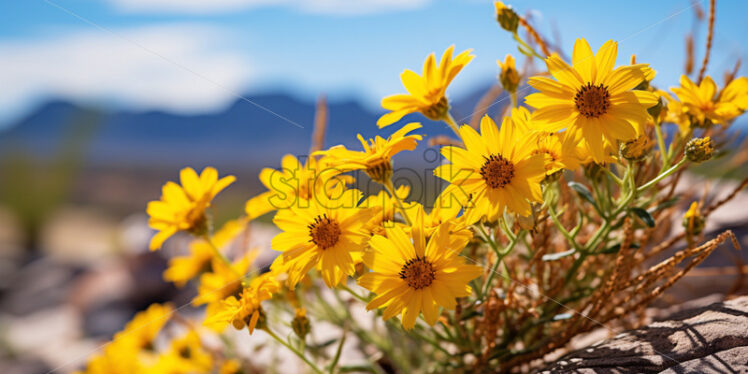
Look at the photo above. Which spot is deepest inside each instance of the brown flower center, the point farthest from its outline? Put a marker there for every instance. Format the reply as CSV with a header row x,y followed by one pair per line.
x,y
418,273
592,101
497,171
325,232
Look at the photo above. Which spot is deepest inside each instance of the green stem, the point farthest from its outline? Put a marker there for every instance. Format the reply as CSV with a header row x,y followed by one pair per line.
x,y
335,360
353,293
294,350
661,144
391,189
662,176
561,228
433,343
449,120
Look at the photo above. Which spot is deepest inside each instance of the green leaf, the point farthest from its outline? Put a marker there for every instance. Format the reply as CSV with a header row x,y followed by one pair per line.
x,y
556,256
617,247
585,194
644,215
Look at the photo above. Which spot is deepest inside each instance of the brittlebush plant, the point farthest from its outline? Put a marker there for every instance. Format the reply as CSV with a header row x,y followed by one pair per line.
x,y
550,224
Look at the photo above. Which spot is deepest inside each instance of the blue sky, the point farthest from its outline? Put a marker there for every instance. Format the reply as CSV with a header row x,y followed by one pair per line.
x,y
195,55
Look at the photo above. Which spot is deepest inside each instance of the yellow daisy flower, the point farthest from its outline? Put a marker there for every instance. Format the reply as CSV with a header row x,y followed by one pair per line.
x,y
183,268
425,92
495,170
673,111
592,97
182,208
130,350
441,213
294,183
327,233
146,325
386,205
223,281
411,275
247,309
559,149
117,357
706,107
376,158
185,355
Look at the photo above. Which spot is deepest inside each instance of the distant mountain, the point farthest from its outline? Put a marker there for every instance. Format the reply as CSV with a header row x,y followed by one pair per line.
x,y
242,134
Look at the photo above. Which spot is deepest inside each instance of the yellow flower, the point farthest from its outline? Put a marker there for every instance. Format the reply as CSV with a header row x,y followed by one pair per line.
x,y
559,149
386,205
182,208
130,349
412,276
118,357
706,107
183,268
294,184
592,97
495,170
610,154
674,112
230,367
376,158
185,355
425,92
509,77
145,326
327,233
442,212
247,309
223,280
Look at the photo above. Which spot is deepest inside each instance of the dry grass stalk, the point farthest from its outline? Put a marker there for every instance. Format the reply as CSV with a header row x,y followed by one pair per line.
x,y
320,125
709,37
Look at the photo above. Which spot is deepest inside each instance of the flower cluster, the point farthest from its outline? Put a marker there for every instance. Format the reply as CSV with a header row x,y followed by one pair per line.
x,y
567,182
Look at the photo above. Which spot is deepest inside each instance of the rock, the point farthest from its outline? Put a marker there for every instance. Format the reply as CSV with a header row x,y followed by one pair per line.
x,y
711,339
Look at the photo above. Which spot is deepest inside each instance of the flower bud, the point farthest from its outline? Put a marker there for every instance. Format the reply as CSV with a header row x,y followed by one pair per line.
x,y
637,149
509,77
300,324
693,221
699,149
507,17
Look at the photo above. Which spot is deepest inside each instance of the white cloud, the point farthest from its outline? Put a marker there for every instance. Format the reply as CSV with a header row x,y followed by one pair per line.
x,y
172,67
347,7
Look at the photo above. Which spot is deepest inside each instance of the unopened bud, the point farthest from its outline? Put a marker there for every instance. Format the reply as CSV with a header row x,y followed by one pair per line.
x,y
637,149
300,324
509,77
699,149
507,17
693,221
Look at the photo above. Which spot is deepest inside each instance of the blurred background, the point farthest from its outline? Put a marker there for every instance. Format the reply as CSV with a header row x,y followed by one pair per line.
x,y
101,102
